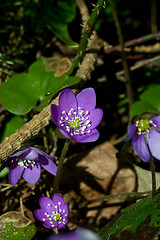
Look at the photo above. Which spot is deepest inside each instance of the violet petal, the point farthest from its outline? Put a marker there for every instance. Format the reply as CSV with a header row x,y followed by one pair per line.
x,y
40,214
57,198
61,225
153,142
32,175
40,152
156,120
48,164
140,146
31,155
15,172
67,135
67,100
56,114
66,210
48,224
92,137
5,164
95,117
87,99
47,204
18,153
131,131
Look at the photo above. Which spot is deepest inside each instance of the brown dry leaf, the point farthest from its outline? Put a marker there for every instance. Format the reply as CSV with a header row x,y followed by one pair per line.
x,y
59,65
93,174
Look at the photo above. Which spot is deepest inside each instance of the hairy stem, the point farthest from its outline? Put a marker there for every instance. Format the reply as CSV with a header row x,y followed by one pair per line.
x,y
152,166
88,29
124,60
61,160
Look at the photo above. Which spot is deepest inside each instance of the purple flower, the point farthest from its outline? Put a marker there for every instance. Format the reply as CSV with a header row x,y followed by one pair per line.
x,y
54,213
28,163
145,136
78,234
76,116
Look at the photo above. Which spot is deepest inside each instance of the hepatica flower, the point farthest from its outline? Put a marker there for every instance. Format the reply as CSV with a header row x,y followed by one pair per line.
x,y
78,234
76,116
144,134
28,163
53,213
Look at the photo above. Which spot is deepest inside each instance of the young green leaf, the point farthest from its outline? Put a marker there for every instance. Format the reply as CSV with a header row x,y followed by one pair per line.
x,y
22,91
140,107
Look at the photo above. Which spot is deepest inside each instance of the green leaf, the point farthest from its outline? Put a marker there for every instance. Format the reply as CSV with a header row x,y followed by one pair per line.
x,y
56,15
139,221
11,126
22,91
140,107
4,172
152,95
13,225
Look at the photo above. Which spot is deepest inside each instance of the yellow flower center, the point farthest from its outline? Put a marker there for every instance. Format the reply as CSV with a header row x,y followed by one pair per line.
x,y
75,123
56,216
144,125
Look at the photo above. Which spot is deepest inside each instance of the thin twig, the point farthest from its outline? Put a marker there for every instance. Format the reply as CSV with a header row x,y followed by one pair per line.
x,y
109,49
124,60
138,65
154,16
108,197
83,10
45,141
21,206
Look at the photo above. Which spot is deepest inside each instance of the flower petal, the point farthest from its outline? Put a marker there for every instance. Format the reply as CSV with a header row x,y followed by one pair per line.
x,y
153,142
40,152
18,153
156,120
40,214
87,99
48,224
62,224
15,172
48,164
32,175
5,164
67,100
67,135
65,210
91,137
30,154
47,204
58,198
56,114
95,117
131,131
140,146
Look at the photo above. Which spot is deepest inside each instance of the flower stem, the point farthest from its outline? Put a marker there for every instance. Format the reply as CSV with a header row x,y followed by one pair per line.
x,y
152,166
61,160
88,29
